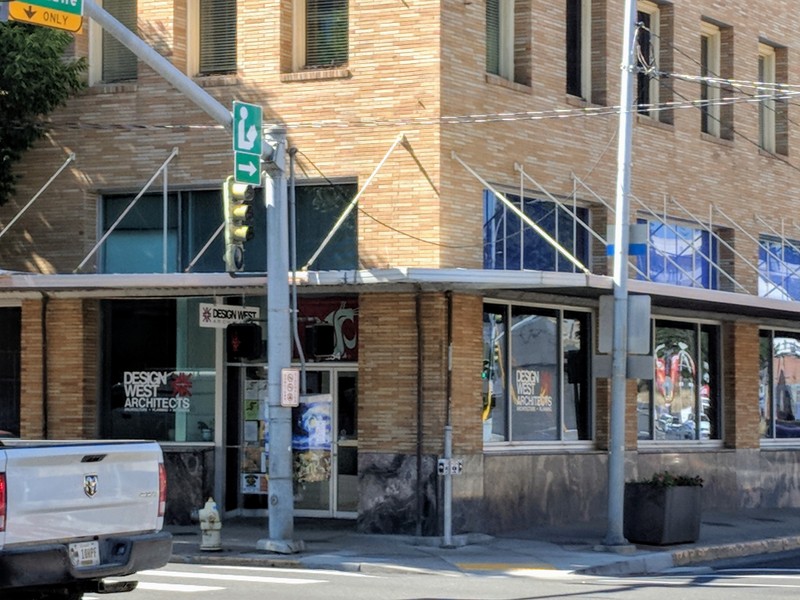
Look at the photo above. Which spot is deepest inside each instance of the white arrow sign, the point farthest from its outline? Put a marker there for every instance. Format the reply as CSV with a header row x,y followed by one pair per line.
x,y
247,167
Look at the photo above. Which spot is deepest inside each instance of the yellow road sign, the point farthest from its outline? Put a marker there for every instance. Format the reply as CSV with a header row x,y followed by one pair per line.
x,y
30,13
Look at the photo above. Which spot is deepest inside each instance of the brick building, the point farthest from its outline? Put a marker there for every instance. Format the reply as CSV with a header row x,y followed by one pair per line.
x,y
465,130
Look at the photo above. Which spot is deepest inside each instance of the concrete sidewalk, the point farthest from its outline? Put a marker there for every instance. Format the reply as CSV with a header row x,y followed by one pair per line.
x,y
576,548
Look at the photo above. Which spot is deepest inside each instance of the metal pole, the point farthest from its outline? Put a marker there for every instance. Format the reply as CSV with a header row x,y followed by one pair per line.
x,y
616,441
279,356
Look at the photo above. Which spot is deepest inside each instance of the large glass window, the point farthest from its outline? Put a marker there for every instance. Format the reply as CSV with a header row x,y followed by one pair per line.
x,y
139,241
679,255
779,268
682,401
510,244
165,390
779,389
536,377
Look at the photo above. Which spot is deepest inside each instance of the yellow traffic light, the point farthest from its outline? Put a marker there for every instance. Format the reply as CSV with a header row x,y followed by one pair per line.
x,y
237,199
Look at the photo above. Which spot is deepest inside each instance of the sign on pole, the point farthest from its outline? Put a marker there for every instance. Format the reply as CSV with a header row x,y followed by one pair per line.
x,y
3,12
247,142
33,13
74,7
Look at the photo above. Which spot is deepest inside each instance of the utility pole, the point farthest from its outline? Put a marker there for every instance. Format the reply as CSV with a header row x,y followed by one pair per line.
x,y
619,352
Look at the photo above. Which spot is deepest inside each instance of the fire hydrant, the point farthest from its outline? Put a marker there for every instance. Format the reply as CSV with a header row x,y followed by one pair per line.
x,y
210,527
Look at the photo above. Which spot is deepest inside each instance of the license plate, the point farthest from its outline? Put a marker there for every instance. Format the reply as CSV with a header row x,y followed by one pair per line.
x,y
84,554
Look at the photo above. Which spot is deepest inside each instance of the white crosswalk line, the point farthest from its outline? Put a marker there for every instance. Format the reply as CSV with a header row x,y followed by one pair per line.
x,y
229,577
176,587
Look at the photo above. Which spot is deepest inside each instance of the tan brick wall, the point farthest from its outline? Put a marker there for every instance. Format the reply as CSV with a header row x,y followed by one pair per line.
x,y
388,386
71,342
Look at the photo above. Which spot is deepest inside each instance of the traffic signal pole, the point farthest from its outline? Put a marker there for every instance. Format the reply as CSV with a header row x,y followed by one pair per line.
x,y
281,493
279,357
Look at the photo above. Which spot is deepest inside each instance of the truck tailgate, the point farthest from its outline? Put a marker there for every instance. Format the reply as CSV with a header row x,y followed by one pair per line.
x,y
59,491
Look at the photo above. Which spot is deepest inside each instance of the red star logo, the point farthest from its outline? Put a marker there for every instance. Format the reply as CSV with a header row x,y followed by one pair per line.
x,y
182,384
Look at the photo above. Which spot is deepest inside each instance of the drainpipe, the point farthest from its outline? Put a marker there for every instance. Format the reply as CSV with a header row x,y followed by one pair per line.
x,y
420,366
45,416
293,259
447,540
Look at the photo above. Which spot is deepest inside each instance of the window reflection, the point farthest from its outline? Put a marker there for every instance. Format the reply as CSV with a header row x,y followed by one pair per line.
x,y
535,372
681,402
779,389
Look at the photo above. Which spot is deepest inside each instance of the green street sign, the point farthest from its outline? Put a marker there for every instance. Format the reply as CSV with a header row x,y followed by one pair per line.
x,y
247,142
73,7
247,168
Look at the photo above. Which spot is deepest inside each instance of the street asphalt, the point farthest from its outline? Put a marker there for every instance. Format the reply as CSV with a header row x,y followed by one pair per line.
x,y
576,548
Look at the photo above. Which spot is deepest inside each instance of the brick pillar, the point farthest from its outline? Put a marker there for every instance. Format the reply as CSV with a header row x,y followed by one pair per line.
x,y
70,386
740,375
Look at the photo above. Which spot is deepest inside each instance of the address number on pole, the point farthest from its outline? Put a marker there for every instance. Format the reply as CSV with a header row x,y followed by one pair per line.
x,y
290,387
451,466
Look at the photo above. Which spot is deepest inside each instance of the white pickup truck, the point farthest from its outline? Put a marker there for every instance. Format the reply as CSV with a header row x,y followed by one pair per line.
x,y
74,513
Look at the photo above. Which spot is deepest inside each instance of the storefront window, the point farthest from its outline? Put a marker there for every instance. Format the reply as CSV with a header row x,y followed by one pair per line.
x,y
536,379
159,366
685,384
779,389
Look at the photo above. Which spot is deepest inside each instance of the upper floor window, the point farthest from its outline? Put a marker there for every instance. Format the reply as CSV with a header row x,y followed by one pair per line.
x,y
649,41
217,37
779,388
110,60
682,401
766,107
508,27
510,244
716,62
710,61
679,255
773,118
654,36
320,38
579,48
779,268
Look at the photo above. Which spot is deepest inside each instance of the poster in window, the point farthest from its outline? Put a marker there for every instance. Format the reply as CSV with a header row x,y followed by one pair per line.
x,y
311,437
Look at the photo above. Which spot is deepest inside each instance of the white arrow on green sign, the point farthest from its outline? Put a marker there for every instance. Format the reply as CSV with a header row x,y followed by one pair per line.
x,y
247,168
247,142
74,7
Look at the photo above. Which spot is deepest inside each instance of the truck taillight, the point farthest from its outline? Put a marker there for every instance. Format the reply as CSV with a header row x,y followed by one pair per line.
x,y
162,489
3,501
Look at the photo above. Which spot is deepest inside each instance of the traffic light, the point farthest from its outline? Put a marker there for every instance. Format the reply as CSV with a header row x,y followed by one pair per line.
x,y
238,203
243,341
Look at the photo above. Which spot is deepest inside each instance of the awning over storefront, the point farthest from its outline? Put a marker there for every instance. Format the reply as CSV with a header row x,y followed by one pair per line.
x,y
480,281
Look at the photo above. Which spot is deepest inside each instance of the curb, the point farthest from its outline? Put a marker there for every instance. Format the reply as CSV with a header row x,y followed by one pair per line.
x,y
662,561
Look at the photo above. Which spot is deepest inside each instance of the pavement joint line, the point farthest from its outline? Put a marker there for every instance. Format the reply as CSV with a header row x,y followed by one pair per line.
x,y
504,566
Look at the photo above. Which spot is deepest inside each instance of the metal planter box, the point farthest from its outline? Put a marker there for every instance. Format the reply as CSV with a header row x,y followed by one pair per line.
x,y
662,515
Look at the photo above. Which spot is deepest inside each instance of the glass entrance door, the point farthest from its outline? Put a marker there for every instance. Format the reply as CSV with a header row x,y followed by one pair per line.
x,y
327,477
324,443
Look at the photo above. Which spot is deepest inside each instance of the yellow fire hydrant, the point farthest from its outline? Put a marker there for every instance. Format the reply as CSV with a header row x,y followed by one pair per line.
x,y
210,527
